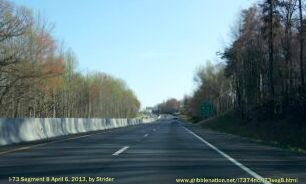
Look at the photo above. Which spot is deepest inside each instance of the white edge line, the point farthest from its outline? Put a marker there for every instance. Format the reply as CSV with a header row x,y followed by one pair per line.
x,y
246,169
120,151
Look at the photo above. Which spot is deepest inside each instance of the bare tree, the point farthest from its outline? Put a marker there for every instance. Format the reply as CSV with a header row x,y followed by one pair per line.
x,y
301,47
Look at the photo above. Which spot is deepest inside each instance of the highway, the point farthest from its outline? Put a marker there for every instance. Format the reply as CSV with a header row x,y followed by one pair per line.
x,y
161,152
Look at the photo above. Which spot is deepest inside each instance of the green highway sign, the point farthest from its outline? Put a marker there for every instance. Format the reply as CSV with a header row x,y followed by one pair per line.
x,y
207,109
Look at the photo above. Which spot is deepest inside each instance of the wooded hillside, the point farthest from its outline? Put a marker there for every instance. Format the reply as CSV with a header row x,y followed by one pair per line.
x,y
263,69
38,77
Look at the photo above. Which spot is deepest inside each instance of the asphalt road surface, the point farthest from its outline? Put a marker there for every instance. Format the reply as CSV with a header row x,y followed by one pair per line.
x,y
162,152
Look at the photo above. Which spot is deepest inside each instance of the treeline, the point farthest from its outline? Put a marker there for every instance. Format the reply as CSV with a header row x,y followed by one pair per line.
x,y
169,106
213,95
38,76
264,65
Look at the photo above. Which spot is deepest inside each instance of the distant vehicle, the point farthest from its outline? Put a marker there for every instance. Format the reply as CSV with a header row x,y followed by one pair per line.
x,y
167,116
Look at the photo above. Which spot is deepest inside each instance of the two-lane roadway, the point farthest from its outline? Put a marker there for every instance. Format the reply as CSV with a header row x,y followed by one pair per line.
x,y
162,152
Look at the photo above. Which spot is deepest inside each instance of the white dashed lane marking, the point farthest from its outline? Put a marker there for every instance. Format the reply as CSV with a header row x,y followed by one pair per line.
x,y
121,150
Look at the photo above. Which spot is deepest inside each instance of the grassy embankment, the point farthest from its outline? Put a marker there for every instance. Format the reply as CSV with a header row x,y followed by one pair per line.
x,y
287,132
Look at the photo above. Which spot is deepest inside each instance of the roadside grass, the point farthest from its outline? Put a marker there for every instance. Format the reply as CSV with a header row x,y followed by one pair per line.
x,y
288,132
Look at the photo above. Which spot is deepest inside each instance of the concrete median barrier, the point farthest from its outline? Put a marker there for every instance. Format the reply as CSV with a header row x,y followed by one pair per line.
x,y
31,129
